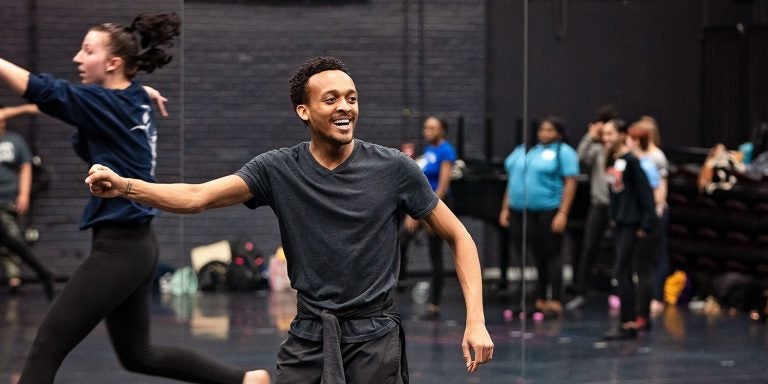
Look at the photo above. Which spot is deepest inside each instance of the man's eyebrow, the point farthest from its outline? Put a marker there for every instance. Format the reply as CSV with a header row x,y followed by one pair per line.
x,y
337,91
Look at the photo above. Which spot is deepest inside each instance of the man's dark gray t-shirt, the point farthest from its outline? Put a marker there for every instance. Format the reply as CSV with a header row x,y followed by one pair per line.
x,y
339,227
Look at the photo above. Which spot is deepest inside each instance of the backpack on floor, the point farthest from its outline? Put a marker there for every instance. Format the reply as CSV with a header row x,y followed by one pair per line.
x,y
248,267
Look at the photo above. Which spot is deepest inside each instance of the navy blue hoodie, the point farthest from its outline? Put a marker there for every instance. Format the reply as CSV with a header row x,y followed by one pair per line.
x,y
114,128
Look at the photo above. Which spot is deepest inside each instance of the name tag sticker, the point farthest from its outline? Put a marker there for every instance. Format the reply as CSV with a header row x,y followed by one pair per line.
x,y
548,155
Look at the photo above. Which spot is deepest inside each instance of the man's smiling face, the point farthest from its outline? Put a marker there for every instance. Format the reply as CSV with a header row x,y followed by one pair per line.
x,y
331,109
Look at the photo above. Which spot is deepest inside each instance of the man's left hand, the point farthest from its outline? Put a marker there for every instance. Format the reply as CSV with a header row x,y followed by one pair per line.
x,y
477,341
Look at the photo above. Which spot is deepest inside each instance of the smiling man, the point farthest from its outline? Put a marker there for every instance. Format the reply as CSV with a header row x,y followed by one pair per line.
x,y
337,201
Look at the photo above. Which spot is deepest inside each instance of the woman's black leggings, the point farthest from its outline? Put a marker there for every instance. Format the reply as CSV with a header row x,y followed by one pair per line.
x,y
114,284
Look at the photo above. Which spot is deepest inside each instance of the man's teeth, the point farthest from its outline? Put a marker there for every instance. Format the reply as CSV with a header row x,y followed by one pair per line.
x,y
341,122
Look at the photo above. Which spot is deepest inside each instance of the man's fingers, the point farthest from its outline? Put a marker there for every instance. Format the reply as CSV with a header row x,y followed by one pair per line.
x,y
480,356
484,354
466,352
100,186
100,189
96,168
489,353
94,183
95,173
472,364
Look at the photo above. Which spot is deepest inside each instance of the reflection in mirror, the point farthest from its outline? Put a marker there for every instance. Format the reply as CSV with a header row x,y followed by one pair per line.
x,y
583,61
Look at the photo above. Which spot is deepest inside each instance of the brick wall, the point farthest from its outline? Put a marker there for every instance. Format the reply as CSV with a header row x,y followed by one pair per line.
x,y
228,91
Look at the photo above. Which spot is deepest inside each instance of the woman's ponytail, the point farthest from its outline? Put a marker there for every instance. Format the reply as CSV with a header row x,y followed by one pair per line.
x,y
152,34
142,45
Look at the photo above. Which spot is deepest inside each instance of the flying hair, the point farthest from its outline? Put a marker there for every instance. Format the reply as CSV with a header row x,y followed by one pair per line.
x,y
143,44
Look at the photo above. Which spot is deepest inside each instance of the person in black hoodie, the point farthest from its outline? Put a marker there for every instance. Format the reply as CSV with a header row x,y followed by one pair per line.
x,y
631,210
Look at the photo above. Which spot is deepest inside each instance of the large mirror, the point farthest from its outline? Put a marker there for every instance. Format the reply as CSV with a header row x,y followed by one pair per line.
x,y
635,87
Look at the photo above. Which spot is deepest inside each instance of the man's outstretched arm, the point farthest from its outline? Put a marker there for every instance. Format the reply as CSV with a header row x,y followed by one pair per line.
x,y
476,337
177,198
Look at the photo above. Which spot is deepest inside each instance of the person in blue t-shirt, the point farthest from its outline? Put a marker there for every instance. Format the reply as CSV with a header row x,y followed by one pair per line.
x,y
541,188
436,163
115,125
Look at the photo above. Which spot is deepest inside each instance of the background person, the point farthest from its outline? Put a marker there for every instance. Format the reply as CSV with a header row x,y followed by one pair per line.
x,y
652,261
15,189
542,182
633,214
436,163
592,157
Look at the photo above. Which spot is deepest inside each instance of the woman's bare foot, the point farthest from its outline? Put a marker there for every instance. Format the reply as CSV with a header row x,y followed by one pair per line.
x,y
259,376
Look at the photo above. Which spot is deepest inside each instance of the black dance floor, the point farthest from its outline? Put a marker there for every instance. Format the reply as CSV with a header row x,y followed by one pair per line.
x,y
246,328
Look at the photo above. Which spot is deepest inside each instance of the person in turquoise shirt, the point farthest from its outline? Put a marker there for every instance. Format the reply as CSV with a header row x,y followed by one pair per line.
x,y
542,183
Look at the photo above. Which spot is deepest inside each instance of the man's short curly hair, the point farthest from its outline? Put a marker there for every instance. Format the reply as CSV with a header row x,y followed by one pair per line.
x,y
307,70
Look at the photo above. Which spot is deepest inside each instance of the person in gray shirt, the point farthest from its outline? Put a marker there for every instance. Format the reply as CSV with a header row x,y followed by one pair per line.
x,y
337,200
15,188
592,157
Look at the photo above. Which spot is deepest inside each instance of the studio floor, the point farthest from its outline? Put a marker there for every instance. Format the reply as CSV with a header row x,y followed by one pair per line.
x,y
246,328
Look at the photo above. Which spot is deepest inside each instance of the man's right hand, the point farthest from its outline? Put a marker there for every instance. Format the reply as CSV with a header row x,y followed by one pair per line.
x,y
103,182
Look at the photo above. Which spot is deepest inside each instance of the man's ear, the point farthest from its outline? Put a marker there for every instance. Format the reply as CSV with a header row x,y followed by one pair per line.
x,y
114,63
303,112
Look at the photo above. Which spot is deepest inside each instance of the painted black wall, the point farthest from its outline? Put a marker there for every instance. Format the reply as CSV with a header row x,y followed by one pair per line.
x,y
228,91
642,56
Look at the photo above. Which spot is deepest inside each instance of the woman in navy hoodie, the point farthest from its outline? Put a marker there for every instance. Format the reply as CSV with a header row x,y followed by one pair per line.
x,y
115,126
632,211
